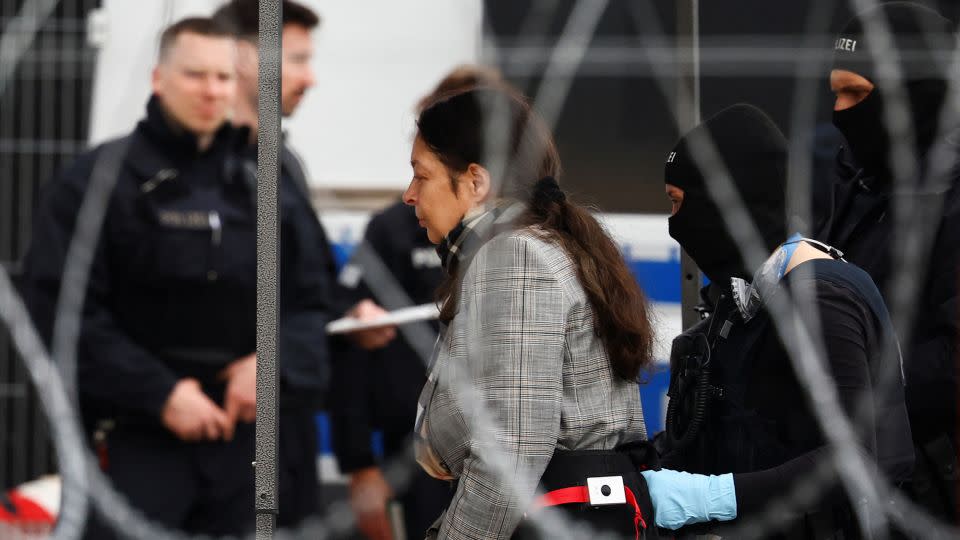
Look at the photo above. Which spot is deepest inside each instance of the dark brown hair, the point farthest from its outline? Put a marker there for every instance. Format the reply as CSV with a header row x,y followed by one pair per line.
x,y
461,78
203,26
459,128
242,17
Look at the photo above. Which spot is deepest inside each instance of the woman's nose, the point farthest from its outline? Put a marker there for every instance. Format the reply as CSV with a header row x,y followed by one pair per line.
x,y
409,195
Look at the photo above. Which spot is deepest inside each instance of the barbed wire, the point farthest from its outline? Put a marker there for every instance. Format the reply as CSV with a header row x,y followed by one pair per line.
x,y
794,318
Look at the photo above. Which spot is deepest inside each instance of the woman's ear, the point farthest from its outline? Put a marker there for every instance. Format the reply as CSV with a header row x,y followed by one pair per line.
x,y
479,183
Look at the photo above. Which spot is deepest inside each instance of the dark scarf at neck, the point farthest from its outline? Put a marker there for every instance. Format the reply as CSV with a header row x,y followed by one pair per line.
x,y
462,243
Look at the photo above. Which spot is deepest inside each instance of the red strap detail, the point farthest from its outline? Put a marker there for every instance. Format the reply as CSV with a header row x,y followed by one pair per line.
x,y
26,511
570,495
637,514
580,494
103,456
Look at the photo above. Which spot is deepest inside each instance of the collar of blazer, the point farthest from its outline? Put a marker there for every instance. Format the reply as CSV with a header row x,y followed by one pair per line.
x,y
465,239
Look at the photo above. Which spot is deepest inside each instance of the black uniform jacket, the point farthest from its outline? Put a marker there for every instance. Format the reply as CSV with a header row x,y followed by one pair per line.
x,y
172,286
860,222
758,423
379,389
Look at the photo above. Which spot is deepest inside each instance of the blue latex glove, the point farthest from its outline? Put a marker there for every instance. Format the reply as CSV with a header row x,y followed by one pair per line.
x,y
681,498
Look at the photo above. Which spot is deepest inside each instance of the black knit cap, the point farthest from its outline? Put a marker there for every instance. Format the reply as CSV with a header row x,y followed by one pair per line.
x,y
923,39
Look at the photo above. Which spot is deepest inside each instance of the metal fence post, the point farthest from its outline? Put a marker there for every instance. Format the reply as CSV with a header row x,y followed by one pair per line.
x,y
268,267
688,116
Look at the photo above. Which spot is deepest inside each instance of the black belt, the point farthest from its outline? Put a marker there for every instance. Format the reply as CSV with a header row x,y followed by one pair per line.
x,y
603,488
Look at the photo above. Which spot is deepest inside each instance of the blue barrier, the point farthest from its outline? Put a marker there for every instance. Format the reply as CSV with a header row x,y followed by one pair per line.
x,y
324,435
660,280
653,392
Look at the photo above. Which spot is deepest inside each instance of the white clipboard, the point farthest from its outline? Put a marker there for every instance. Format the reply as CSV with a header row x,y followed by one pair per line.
x,y
423,312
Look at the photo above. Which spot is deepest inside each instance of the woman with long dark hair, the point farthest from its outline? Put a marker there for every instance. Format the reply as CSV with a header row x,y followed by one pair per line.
x,y
545,329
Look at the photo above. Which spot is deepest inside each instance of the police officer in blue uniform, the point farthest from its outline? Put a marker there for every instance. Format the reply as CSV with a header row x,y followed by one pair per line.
x,y
166,363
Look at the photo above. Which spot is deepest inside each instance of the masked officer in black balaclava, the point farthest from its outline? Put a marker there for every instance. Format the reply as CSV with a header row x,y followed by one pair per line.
x,y
861,218
736,403
698,224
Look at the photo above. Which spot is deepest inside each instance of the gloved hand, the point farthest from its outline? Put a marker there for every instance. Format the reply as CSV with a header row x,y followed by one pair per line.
x,y
681,498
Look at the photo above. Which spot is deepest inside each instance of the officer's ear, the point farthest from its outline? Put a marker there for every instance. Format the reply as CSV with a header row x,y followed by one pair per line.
x,y
156,79
248,59
479,187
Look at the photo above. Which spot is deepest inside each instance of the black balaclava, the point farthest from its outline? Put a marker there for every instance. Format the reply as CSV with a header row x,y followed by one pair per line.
x,y
755,154
924,42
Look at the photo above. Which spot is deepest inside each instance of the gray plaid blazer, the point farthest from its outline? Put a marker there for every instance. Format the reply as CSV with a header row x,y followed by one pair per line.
x,y
517,373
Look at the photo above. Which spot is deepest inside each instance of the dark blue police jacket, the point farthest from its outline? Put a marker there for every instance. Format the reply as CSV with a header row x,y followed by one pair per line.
x,y
172,288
